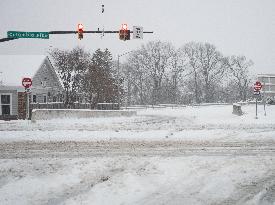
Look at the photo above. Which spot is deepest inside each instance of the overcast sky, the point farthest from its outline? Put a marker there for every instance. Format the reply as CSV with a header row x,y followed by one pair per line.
x,y
235,27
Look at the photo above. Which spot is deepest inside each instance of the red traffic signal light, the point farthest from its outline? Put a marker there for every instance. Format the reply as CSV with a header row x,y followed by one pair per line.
x,y
80,29
124,26
124,33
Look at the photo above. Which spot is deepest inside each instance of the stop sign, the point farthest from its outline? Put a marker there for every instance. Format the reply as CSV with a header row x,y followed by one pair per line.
x,y
258,86
27,82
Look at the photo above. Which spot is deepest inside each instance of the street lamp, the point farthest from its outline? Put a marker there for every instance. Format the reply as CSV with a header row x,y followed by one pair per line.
x,y
118,83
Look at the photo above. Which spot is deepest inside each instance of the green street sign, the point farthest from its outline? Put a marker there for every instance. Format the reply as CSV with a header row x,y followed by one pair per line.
x,y
20,34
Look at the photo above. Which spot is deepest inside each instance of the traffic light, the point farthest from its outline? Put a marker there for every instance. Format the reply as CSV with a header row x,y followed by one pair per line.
x,y
127,35
80,29
124,33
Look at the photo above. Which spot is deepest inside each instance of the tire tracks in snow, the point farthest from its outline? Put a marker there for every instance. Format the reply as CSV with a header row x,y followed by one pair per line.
x,y
65,149
261,191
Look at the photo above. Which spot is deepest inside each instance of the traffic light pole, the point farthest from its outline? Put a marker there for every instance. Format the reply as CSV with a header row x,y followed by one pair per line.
x,y
71,32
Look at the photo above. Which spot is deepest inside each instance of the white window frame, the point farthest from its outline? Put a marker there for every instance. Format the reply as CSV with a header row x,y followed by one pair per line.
x,y
44,83
10,94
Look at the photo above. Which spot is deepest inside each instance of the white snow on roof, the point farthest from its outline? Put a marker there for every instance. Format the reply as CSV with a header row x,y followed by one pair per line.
x,y
15,67
266,75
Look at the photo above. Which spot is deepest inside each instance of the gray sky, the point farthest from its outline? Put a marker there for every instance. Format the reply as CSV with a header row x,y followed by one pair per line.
x,y
235,27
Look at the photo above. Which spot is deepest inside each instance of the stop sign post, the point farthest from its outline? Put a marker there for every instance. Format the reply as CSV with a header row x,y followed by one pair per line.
x,y
257,87
27,83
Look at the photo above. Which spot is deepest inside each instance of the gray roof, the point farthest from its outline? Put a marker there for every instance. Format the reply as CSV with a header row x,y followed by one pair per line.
x,y
17,88
13,68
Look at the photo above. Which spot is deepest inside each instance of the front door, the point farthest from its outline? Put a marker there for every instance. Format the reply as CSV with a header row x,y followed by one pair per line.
x,y
5,104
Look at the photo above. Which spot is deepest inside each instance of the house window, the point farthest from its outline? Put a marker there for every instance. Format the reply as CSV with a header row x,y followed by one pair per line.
x,y
34,98
5,104
45,98
43,83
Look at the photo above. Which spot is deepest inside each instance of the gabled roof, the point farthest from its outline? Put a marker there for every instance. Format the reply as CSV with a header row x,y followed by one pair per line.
x,y
15,88
16,67
52,69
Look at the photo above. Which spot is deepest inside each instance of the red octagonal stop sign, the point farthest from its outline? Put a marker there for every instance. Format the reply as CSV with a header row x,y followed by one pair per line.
x,y
27,82
258,86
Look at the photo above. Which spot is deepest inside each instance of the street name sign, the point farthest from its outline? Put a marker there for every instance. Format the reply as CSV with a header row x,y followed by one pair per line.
x,y
21,34
257,92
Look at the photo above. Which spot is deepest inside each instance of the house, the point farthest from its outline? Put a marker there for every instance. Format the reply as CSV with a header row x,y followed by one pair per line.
x,y
268,83
46,86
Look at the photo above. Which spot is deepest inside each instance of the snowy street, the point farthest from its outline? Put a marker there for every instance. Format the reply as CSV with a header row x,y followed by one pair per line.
x,y
137,102
134,148
188,155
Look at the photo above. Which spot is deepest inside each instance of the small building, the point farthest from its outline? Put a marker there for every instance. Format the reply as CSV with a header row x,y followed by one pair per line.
x,y
268,82
46,87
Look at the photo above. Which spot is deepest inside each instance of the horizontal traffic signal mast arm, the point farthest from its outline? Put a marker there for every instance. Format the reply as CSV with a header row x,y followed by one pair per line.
x,y
75,32
71,32
6,39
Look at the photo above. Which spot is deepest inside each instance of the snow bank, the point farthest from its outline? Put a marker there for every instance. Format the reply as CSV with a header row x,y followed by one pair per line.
x,y
47,114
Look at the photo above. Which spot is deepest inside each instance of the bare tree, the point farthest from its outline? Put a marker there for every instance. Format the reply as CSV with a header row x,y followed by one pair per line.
x,y
155,71
178,64
154,58
71,67
239,69
137,78
212,65
191,50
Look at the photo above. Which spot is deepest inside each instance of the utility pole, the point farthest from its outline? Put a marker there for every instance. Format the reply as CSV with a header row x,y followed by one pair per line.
x,y
1,78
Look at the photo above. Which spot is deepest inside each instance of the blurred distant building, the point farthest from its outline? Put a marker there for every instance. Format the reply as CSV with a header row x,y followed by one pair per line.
x,y
268,82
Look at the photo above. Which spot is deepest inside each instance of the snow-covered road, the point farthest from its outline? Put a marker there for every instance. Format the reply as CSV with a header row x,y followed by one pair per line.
x,y
71,149
139,180
192,155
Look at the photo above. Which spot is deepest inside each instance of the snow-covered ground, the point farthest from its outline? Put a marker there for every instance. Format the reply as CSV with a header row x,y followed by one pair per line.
x,y
194,123
187,155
